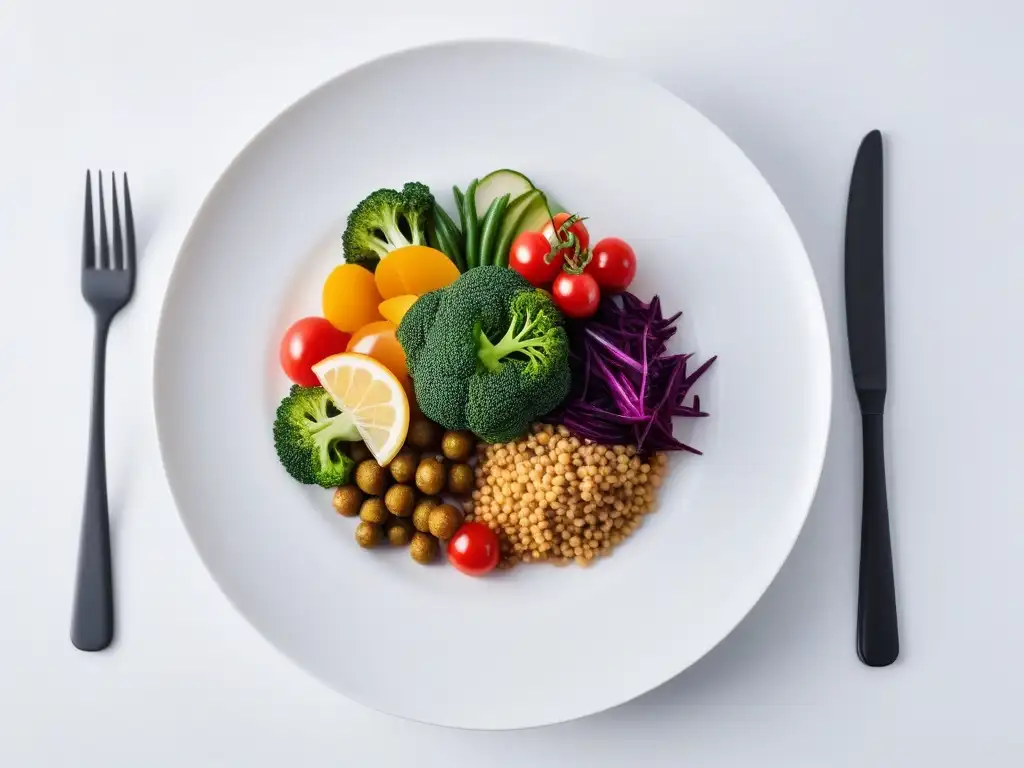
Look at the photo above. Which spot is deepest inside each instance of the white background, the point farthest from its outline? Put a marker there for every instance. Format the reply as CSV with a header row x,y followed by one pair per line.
x,y
170,91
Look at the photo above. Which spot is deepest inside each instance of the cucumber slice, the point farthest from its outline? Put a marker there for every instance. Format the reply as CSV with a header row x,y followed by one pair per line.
x,y
510,224
527,213
517,208
535,216
498,184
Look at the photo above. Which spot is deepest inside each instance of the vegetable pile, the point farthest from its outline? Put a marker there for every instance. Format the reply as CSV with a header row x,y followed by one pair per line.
x,y
502,324
626,388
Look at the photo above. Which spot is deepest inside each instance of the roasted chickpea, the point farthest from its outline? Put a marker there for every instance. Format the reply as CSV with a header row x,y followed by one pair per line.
x,y
400,500
371,478
457,446
369,534
399,532
423,433
403,466
373,510
461,479
421,514
444,521
430,476
423,547
347,500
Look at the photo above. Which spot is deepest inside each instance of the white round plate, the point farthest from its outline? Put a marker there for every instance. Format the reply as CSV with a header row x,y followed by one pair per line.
x,y
540,644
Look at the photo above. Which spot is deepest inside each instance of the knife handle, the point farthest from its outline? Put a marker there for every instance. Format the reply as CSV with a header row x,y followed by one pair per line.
x,y
878,642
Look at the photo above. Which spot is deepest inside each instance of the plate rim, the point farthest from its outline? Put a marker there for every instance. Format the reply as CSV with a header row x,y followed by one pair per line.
x,y
623,66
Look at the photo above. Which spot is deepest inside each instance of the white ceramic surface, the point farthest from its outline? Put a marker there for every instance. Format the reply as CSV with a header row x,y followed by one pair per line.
x,y
712,239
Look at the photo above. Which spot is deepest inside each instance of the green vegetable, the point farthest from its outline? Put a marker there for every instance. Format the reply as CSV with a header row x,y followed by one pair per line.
x,y
517,211
498,183
308,432
536,217
438,238
460,201
489,229
471,227
486,353
449,238
385,220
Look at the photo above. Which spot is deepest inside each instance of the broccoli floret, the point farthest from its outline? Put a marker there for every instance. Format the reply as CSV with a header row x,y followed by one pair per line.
x,y
308,432
531,324
416,322
385,220
486,353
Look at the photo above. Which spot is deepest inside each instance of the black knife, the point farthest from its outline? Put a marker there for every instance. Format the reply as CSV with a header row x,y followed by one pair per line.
x,y
878,642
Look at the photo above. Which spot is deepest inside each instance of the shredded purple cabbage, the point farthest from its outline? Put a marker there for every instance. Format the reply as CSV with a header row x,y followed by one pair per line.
x,y
626,389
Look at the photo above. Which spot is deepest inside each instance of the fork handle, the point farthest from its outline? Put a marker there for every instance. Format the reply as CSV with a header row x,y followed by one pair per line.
x,y
92,626
878,642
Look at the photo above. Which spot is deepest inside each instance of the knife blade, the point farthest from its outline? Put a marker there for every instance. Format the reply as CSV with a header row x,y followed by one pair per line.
x,y
877,623
865,289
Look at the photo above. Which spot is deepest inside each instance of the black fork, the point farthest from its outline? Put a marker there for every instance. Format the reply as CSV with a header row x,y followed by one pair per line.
x,y
108,281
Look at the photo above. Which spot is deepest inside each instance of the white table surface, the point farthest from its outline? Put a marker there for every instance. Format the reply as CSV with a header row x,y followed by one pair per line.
x,y
170,91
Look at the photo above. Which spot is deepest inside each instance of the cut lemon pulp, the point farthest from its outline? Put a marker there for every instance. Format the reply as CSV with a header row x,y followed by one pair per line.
x,y
373,396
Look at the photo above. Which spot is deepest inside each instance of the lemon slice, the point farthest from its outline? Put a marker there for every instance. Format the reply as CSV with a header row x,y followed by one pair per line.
x,y
374,398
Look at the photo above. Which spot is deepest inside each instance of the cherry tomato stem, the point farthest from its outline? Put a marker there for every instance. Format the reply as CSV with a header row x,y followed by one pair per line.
x,y
570,230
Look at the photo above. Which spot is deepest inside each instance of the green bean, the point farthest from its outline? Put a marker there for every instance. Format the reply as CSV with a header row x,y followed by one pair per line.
x,y
472,227
452,247
459,203
491,224
446,228
443,244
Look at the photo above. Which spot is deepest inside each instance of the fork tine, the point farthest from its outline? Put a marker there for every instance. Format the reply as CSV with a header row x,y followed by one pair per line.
x,y
88,237
104,261
129,229
118,262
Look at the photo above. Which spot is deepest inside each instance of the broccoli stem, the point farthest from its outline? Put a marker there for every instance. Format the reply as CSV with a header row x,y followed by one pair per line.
x,y
339,428
331,426
514,341
393,232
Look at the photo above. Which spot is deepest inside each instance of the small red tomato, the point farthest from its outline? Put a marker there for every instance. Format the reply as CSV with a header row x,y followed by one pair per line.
x,y
576,295
578,228
474,549
612,264
529,257
306,343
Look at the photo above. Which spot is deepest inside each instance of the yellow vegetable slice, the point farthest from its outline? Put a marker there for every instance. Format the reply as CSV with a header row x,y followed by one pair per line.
x,y
350,298
414,270
373,396
394,309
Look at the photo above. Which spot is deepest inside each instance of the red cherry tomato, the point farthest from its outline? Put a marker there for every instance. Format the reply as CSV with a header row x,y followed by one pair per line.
x,y
578,228
612,264
576,295
474,549
306,343
528,257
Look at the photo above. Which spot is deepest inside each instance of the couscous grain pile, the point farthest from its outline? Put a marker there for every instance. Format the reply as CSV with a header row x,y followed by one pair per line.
x,y
553,497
